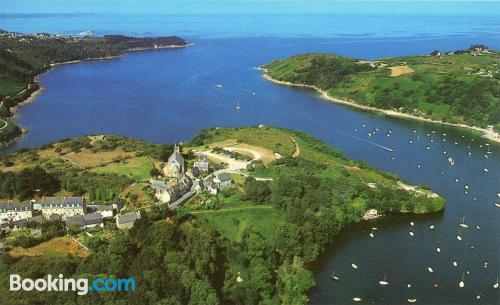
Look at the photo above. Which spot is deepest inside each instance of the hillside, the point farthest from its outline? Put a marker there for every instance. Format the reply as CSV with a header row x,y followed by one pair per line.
x,y
248,244
24,56
461,87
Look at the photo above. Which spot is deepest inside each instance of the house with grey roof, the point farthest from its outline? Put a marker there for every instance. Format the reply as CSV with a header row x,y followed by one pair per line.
x,y
62,206
201,163
86,221
222,180
126,221
11,212
169,193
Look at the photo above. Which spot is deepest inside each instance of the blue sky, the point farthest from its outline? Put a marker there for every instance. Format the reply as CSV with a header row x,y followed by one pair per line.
x,y
250,6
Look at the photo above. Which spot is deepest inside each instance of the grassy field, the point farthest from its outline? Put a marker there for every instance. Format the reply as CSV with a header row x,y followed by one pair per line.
x,y
59,246
456,88
233,221
137,168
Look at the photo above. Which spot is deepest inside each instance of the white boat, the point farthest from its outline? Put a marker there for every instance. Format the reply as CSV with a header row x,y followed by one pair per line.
x,y
411,142
461,284
455,264
451,161
497,204
412,223
498,194
456,179
393,158
485,170
369,134
219,85
355,130
372,235
458,236
456,143
237,105
485,264
354,266
462,223
384,282
363,125
466,187
428,147
411,233
412,300
409,285
478,296
431,227
356,299
469,153
430,269
334,277
477,227
438,250
253,93
496,284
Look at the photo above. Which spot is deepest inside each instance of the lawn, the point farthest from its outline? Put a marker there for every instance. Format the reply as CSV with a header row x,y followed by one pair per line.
x,y
137,168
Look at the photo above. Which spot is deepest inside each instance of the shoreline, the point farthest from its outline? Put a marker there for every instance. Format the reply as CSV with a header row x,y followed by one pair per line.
x,y
35,94
485,133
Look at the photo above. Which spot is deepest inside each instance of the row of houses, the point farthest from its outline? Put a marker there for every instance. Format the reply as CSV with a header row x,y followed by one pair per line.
x,y
72,210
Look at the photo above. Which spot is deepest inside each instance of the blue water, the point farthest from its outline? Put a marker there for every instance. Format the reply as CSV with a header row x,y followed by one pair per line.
x,y
169,95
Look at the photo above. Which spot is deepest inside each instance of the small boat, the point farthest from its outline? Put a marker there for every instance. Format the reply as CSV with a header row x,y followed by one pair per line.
x,y
412,223
371,234
219,85
435,285
431,140
456,143
411,233
388,135
412,300
485,170
334,277
393,158
354,266
363,125
414,131
458,235
431,227
411,142
369,134
498,194
451,161
409,285
237,107
456,179
478,296
355,130
474,198
428,147
419,166
486,157
497,204
455,264
466,187
496,284
461,284
444,152
485,265
462,223
253,93
374,228
384,282
438,250
478,227
430,269
469,153
356,299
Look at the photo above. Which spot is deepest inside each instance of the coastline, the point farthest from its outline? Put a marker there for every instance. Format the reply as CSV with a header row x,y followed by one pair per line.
x,y
486,133
34,95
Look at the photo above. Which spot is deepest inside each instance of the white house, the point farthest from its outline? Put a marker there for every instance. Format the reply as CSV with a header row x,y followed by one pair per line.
x,y
62,206
222,180
10,212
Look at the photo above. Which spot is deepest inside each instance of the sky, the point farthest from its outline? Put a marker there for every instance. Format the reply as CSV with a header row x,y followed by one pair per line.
x,y
250,7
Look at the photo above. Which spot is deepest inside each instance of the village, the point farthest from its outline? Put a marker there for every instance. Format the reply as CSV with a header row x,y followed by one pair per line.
x,y
175,185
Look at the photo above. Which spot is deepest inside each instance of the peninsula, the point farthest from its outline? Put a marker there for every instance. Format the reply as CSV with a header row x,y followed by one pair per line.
x,y
23,57
235,216
458,88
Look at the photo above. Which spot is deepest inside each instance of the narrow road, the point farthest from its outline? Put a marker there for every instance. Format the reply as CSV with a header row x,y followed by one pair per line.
x,y
5,124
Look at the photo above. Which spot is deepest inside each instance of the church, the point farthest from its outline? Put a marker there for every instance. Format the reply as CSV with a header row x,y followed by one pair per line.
x,y
175,164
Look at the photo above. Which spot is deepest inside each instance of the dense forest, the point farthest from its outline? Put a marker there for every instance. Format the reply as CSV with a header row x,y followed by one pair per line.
x,y
250,244
457,87
24,56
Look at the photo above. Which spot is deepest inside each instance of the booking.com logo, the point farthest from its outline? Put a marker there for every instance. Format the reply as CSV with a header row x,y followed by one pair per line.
x,y
81,286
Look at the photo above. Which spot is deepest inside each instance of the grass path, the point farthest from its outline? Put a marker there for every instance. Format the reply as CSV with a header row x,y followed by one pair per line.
x,y
258,207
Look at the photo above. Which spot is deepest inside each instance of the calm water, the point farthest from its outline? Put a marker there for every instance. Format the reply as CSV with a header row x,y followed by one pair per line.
x,y
167,96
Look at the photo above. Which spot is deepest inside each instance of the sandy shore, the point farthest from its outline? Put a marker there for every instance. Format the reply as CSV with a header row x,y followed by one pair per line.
x,y
486,133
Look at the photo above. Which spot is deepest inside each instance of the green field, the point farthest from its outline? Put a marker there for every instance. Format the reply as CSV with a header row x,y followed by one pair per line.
x,y
137,168
456,88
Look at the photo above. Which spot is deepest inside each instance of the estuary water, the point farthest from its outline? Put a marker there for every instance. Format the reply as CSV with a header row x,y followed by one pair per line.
x,y
169,95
